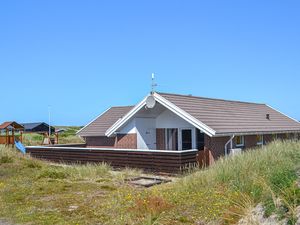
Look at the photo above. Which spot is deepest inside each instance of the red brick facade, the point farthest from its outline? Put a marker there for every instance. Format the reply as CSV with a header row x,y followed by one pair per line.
x,y
100,141
215,146
127,141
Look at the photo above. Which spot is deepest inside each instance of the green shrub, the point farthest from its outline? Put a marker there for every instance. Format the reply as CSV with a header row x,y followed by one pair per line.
x,y
32,163
6,159
53,173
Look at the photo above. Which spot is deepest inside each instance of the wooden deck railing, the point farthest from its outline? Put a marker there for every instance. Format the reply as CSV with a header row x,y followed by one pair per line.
x,y
151,160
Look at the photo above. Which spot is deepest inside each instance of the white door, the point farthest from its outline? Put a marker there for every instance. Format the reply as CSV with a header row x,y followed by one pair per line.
x,y
146,133
150,138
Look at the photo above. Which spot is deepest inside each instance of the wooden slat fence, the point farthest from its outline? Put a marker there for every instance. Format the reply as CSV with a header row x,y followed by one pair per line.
x,y
150,160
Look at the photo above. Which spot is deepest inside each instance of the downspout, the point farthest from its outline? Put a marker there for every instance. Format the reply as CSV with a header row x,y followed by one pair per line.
x,y
229,141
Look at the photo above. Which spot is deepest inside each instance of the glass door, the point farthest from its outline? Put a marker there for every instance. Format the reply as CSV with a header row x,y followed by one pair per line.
x,y
171,139
186,139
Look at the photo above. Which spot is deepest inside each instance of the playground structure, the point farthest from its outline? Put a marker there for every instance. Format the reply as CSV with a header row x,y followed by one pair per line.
x,y
49,140
10,132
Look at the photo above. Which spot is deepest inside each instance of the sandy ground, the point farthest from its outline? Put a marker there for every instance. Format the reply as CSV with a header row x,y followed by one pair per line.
x,y
2,222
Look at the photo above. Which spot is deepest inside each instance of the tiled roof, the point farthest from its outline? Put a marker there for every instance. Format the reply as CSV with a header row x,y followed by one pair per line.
x,y
233,116
11,124
99,126
29,126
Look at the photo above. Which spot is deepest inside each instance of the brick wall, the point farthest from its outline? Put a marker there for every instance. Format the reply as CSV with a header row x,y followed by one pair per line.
x,y
127,141
100,141
214,148
269,138
250,141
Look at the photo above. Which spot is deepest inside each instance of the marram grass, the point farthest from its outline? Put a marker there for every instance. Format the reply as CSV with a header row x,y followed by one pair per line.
x,y
35,192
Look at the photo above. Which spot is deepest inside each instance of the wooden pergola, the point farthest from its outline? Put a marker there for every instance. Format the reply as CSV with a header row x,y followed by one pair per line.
x,y
8,132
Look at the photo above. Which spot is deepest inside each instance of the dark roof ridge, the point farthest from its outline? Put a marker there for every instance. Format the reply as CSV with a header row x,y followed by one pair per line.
x,y
219,99
33,123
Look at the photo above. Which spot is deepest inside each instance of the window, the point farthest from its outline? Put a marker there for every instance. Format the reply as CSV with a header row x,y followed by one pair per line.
x,y
239,141
171,137
186,138
199,140
260,139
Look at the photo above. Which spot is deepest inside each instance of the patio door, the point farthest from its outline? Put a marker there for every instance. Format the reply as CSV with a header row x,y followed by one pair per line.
x,y
186,139
171,138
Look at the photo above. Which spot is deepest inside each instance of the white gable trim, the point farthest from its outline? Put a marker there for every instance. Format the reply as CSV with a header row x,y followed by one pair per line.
x,y
125,118
184,115
77,133
169,105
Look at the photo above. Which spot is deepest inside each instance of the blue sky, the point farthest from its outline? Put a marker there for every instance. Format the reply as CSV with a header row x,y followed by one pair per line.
x,y
81,57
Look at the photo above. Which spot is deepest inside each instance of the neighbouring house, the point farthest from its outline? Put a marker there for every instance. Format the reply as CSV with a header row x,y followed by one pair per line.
x,y
39,127
173,122
10,132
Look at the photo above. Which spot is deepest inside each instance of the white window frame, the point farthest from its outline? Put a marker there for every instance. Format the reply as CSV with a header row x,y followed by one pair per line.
x,y
242,139
193,129
262,140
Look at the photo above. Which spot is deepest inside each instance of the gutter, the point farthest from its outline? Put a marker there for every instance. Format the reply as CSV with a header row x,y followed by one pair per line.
x,y
257,133
229,141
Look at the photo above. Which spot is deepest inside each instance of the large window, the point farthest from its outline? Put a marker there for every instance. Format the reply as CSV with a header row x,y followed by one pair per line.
x,y
199,140
171,137
239,141
260,139
186,138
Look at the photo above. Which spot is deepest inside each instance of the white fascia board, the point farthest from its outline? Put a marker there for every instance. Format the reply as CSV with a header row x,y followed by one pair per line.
x,y
77,133
128,116
184,115
181,113
283,114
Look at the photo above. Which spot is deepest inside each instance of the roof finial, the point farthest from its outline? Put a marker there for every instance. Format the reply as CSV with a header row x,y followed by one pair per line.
x,y
153,84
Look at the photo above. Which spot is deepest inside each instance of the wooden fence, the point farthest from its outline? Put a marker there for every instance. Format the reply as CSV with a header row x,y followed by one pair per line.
x,y
150,160
7,140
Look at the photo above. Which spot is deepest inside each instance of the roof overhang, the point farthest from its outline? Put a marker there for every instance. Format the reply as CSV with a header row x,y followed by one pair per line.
x,y
256,133
169,105
78,132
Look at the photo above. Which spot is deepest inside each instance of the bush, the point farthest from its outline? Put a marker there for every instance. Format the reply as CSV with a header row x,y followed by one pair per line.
x,y
6,159
32,163
53,173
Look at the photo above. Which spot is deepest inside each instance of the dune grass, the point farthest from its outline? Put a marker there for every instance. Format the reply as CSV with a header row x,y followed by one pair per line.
x,y
35,192
232,186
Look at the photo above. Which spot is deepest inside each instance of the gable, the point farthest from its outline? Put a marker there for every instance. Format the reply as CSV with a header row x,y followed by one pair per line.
x,y
167,104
